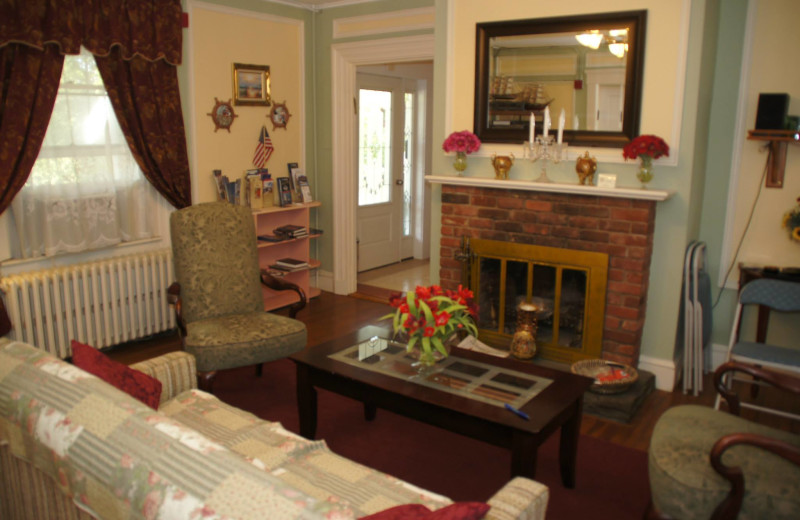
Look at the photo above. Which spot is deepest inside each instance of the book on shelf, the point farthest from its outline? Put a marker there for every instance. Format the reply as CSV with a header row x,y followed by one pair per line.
x,y
283,268
294,171
315,231
292,263
291,231
270,238
304,188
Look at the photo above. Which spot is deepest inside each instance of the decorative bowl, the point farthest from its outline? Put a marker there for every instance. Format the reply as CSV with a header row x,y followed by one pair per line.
x,y
609,377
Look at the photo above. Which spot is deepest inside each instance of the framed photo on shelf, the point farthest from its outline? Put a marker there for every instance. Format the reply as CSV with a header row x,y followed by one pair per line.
x,y
284,191
251,85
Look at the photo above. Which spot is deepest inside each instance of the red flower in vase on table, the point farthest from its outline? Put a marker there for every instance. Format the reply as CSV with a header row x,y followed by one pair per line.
x,y
428,316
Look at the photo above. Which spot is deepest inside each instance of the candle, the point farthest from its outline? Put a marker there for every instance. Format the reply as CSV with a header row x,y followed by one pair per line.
x,y
561,120
532,128
546,121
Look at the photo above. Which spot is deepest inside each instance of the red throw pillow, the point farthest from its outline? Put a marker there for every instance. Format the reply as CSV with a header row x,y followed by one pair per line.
x,y
134,383
457,511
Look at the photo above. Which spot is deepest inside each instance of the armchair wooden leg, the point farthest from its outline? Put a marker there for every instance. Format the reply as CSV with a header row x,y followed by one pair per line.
x,y
205,381
259,369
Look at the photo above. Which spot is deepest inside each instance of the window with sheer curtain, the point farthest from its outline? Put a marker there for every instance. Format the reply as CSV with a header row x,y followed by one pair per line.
x,y
85,190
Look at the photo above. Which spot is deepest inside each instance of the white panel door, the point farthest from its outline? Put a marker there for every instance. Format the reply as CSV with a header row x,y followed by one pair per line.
x,y
380,171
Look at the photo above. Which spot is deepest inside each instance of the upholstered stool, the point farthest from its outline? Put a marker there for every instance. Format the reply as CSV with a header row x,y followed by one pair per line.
x,y
684,484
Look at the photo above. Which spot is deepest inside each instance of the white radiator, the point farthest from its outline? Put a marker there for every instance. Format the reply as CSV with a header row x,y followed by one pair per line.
x,y
100,303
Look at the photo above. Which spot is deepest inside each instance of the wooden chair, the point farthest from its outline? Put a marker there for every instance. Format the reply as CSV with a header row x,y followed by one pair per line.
x,y
700,459
217,296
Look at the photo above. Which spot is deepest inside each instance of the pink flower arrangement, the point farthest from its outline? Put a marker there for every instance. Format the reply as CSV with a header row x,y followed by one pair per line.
x,y
650,146
464,141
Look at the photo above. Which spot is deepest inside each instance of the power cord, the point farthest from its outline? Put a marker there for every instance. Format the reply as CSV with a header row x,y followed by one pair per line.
x,y
746,228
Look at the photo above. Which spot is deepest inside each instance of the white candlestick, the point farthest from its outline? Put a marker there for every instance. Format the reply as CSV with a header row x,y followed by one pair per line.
x,y
532,128
561,120
546,121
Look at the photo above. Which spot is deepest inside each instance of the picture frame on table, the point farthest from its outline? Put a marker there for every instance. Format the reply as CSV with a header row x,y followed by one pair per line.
x,y
251,85
284,191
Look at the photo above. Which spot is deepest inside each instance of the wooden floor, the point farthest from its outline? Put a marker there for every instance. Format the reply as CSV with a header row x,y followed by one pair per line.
x,y
330,316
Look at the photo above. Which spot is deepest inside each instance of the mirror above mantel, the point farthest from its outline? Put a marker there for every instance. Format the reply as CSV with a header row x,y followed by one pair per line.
x,y
589,67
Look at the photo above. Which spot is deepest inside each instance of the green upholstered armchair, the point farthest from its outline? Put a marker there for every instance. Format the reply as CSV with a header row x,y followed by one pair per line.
x,y
704,463
217,295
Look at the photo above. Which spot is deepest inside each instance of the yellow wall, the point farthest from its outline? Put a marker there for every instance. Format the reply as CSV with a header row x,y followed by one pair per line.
x,y
221,37
766,242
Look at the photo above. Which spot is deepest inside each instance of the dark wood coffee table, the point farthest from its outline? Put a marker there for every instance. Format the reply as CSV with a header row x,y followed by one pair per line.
x,y
558,405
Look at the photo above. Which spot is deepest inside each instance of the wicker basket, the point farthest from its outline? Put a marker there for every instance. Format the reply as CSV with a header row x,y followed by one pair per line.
x,y
597,367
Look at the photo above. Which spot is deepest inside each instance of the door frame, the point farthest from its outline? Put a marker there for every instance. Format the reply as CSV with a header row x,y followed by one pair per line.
x,y
345,58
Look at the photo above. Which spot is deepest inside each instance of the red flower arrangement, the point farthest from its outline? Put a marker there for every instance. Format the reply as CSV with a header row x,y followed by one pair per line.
x,y
429,315
650,146
464,141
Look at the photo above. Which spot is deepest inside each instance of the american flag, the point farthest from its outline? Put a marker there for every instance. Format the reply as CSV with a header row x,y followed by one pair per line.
x,y
263,149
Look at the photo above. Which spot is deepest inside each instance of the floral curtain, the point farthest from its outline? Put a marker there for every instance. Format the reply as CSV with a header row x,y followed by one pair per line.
x,y
136,88
28,86
128,30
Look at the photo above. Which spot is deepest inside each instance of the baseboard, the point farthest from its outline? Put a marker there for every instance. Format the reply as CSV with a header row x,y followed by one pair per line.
x,y
719,353
663,369
324,280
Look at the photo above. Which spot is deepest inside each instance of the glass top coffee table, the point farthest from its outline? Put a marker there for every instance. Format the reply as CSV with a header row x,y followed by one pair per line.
x,y
505,402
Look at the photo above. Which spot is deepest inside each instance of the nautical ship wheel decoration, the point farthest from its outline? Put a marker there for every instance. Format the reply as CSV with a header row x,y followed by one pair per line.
x,y
222,114
279,115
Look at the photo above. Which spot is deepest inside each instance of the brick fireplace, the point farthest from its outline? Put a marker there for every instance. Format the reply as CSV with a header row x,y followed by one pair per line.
x,y
618,226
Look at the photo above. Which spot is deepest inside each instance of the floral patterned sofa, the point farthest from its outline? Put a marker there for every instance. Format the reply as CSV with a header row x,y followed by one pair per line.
x,y
73,446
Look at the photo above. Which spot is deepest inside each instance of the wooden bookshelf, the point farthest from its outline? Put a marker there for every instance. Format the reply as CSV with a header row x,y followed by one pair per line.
x,y
266,221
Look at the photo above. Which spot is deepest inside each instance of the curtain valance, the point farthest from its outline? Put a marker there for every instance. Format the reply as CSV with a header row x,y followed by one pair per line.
x,y
150,29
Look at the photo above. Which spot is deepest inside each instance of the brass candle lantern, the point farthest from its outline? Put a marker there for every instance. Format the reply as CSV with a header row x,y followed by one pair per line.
x,y
523,343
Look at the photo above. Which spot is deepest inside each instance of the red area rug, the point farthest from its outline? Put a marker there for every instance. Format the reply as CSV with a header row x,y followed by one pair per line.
x,y
611,484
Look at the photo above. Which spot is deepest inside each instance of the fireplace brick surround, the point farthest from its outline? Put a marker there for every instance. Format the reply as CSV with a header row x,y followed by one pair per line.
x,y
620,227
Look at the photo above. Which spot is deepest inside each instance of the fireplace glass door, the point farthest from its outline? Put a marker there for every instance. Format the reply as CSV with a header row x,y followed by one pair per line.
x,y
567,287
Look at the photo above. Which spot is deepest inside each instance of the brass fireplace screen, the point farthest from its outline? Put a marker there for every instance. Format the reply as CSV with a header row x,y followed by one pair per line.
x,y
568,287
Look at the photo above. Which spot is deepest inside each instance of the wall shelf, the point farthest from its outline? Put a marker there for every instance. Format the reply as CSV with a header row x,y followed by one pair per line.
x,y
551,187
778,140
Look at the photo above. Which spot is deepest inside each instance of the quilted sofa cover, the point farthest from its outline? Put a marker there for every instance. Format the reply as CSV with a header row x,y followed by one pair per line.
x,y
114,457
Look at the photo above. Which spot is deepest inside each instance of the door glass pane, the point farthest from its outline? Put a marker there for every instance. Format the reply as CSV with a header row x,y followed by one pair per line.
x,y
571,308
374,147
516,292
543,296
489,294
408,161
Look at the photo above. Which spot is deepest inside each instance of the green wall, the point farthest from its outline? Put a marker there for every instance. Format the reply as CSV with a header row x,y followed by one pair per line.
x,y
721,140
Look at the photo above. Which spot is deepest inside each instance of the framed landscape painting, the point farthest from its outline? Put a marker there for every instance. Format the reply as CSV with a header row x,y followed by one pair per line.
x,y
251,85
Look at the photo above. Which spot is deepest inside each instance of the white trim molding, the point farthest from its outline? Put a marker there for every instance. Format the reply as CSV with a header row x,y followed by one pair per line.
x,y
551,187
345,58
423,18
663,369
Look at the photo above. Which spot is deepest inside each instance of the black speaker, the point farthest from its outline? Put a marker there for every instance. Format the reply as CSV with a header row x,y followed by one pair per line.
x,y
772,111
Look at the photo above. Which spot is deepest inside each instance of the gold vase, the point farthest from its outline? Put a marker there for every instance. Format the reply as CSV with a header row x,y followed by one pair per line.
x,y
523,344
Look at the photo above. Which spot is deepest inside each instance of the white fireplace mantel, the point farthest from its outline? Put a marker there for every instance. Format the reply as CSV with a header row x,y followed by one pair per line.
x,y
551,187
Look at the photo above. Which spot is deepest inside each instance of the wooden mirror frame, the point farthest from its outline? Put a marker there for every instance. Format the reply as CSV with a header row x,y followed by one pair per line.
x,y
634,21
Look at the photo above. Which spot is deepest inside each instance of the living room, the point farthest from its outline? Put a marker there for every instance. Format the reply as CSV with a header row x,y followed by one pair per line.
x,y
705,64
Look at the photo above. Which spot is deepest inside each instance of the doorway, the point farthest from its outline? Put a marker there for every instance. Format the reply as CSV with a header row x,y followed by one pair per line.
x,y
393,209
345,58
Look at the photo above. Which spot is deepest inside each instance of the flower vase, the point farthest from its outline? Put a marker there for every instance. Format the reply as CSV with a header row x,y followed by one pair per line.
x,y
460,164
426,361
645,173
